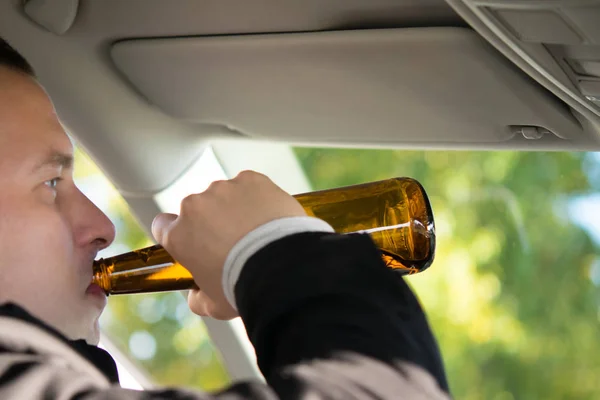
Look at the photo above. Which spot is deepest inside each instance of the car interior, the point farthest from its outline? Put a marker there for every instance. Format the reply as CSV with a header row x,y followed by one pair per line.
x,y
163,97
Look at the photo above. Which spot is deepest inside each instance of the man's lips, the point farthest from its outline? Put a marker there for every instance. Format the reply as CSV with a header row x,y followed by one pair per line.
x,y
95,290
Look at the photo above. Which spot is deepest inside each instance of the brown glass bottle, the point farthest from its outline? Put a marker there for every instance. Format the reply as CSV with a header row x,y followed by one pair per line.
x,y
395,212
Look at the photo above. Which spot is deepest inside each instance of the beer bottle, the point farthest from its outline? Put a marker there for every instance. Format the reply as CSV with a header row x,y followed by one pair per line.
x,y
395,212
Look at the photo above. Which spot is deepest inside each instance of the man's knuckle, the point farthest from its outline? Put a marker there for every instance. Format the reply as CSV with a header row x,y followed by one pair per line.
x,y
193,203
216,186
247,175
188,202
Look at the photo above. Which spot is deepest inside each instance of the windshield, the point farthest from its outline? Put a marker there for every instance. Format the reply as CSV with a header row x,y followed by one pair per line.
x,y
513,295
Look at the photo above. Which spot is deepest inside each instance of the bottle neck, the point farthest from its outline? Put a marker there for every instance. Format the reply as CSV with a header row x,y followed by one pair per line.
x,y
101,276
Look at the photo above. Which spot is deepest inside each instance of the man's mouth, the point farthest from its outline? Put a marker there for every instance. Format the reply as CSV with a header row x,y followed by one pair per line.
x,y
95,290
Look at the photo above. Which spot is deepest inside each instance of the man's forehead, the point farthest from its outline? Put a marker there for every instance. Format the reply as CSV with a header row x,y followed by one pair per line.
x,y
29,126
20,95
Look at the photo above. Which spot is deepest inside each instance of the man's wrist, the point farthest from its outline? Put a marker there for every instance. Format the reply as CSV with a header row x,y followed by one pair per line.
x,y
259,238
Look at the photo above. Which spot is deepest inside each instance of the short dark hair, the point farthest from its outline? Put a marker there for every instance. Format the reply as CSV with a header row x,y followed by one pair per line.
x,y
12,59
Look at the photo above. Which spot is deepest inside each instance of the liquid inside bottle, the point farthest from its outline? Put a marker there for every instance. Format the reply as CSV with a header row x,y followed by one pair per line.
x,y
396,214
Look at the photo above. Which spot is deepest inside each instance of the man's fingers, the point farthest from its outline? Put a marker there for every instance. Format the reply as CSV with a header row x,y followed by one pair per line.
x,y
161,225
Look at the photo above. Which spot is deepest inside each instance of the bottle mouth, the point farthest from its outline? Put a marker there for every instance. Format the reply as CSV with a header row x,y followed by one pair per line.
x,y
100,276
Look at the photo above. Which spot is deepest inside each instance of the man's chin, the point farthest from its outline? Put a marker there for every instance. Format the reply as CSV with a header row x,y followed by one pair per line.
x,y
89,326
96,295
93,337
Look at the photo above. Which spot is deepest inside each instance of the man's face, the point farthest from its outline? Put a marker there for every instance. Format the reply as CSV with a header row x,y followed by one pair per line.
x,y
49,231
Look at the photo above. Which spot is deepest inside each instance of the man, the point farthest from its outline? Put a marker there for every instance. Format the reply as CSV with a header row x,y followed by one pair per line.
x,y
326,318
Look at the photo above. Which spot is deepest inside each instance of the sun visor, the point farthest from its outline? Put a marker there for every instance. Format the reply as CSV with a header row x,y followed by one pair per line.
x,y
375,87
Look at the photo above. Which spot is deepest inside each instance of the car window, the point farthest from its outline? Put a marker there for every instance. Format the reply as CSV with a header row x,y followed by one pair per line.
x,y
156,332
513,295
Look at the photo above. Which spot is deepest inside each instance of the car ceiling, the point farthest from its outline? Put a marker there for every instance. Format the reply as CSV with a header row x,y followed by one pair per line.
x,y
145,85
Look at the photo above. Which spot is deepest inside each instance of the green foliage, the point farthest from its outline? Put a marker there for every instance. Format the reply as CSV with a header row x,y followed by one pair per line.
x,y
509,296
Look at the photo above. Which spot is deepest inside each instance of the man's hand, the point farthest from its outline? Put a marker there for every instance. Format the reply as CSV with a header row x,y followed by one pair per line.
x,y
211,223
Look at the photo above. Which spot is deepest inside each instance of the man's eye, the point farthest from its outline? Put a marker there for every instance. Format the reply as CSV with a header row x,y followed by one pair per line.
x,y
52,183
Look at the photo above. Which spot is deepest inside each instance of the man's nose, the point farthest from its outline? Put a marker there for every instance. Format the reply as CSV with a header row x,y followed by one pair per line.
x,y
94,226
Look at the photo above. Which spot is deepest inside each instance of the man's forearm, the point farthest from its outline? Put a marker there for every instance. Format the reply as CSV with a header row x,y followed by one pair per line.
x,y
312,297
260,237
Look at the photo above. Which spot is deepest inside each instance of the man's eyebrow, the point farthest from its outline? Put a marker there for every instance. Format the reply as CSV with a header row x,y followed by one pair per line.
x,y
56,159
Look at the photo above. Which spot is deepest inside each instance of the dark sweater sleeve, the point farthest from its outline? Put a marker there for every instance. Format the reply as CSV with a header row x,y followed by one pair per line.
x,y
314,298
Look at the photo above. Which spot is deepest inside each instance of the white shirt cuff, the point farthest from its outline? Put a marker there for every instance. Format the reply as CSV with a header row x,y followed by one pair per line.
x,y
259,238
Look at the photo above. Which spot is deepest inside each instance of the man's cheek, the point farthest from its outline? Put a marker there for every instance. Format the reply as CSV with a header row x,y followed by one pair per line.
x,y
52,234
13,241
33,234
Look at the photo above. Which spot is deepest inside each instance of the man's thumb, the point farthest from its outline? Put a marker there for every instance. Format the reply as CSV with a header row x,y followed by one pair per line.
x,y
161,224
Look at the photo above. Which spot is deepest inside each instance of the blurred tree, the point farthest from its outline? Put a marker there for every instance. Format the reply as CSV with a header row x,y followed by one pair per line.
x,y
511,295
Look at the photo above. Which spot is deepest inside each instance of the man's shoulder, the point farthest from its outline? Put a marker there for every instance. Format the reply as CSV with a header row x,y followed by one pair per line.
x,y
24,336
15,311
